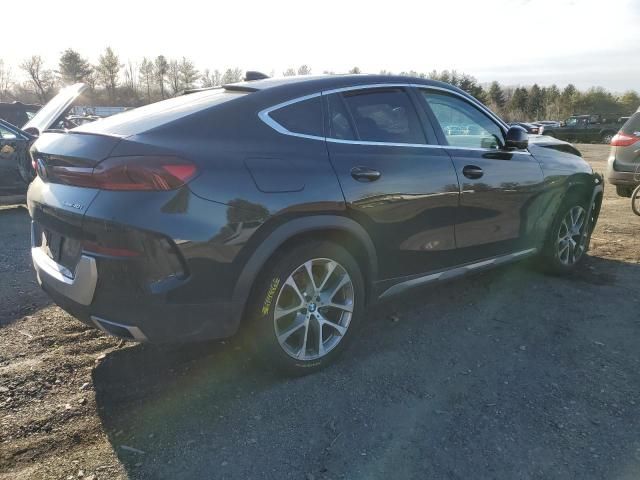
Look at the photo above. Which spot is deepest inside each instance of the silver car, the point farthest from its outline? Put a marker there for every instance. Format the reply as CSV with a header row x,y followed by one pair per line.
x,y
624,160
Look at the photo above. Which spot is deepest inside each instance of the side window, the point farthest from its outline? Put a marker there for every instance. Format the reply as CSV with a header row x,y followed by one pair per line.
x,y
339,122
6,134
303,117
384,115
463,124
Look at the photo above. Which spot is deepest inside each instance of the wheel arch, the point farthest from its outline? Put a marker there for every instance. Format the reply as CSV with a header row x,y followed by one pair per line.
x,y
348,233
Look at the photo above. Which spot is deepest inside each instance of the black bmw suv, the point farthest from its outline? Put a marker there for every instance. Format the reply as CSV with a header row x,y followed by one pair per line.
x,y
286,206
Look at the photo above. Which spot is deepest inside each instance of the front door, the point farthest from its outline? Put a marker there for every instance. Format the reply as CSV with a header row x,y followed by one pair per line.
x,y
402,189
498,187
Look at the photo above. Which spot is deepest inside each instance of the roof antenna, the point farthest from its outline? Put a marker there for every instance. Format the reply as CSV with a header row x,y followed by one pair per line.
x,y
253,75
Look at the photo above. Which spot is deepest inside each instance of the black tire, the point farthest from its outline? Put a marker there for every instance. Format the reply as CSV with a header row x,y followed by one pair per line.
x,y
552,256
624,191
272,287
635,201
607,137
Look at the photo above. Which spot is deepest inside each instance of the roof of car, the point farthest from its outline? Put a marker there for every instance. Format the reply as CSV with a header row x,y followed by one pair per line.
x,y
314,83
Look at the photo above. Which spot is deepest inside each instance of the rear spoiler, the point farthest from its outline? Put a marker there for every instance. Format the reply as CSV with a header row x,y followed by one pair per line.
x,y
249,76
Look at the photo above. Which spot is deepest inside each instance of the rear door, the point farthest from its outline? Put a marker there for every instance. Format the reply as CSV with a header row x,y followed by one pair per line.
x,y
396,182
498,187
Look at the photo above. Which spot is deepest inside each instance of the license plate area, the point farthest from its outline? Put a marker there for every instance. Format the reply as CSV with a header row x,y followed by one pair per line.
x,y
62,250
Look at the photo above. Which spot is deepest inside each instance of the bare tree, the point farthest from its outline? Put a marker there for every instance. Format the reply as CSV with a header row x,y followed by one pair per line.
x,y
304,70
108,69
42,80
131,76
232,76
211,79
289,72
188,73
147,76
6,80
355,70
173,76
161,68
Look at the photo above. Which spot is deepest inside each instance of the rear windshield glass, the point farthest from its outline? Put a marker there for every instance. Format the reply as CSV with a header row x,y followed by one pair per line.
x,y
633,124
301,117
145,118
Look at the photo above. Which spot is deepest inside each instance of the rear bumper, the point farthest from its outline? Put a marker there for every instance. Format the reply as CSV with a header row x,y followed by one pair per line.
x,y
617,177
100,293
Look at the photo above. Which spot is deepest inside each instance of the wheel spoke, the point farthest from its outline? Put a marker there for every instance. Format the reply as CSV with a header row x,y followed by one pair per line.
x,y
321,350
283,312
340,306
308,266
295,326
292,283
303,349
343,281
331,266
339,328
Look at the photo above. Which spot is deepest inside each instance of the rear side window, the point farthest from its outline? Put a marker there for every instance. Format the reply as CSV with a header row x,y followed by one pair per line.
x,y
384,115
339,122
632,126
303,117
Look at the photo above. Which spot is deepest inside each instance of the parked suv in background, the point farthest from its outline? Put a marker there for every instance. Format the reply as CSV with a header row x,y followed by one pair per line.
x,y
289,205
586,128
624,160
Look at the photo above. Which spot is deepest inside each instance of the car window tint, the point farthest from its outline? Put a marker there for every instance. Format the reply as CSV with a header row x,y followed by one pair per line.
x,y
384,115
339,123
303,117
6,134
632,126
463,124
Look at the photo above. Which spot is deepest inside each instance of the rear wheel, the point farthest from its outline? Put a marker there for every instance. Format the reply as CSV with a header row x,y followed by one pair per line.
x,y
568,238
310,301
607,137
624,191
635,201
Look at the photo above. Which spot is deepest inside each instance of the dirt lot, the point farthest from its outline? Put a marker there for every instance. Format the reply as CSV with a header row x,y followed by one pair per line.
x,y
511,374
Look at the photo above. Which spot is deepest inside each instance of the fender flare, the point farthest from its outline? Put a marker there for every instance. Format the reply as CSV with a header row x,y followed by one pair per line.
x,y
279,236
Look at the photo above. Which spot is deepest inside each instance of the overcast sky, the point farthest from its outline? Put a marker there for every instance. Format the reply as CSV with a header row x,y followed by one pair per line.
x,y
585,42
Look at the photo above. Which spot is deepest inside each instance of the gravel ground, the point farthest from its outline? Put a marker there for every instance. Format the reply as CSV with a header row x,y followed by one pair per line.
x,y
510,374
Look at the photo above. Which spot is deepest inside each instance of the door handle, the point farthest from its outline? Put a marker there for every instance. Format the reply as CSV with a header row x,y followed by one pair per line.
x,y
472,172
364,174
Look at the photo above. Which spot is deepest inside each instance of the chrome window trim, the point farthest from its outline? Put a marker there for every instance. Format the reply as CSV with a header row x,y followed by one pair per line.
x,y
266,118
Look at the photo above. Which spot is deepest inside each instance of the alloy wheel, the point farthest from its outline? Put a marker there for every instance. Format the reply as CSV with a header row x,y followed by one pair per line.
x,y
572,236
313,309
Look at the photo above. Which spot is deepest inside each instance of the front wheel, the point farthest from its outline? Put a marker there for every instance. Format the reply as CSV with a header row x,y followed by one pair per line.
x,y
309,302
568,237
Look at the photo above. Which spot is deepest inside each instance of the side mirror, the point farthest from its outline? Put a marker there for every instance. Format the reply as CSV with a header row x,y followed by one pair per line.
x,y
517,139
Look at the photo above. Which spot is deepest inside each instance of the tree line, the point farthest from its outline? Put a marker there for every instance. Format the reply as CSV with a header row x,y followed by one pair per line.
x,y
113,82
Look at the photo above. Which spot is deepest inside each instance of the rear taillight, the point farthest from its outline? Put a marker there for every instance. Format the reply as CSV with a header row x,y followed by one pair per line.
x,y
140,173
624,140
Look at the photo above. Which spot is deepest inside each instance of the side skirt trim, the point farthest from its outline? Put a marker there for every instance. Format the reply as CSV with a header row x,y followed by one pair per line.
x,y
455,272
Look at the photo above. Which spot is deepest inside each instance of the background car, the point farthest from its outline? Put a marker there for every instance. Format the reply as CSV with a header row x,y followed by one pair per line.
x,y
286,206
15,162
15,141
529,127
624,159
17,113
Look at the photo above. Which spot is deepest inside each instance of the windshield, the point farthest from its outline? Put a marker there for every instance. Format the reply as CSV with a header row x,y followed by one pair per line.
x,y
571,121
632,126
55,107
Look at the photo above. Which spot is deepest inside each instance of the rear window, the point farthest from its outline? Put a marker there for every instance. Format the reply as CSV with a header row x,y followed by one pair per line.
x,y
632,126
141,119
303,117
